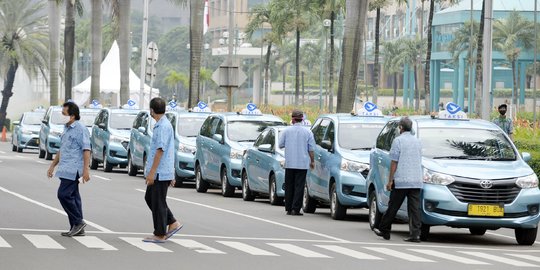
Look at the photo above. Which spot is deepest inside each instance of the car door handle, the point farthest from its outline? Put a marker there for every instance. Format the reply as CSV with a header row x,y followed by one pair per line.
x,y
257,160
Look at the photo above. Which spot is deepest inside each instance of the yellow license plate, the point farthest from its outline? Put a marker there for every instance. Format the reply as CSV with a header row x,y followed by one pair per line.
x,y
486,210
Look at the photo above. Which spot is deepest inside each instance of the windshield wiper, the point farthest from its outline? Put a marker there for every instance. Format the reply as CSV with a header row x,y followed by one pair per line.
x,y
245,141
362,148
451,157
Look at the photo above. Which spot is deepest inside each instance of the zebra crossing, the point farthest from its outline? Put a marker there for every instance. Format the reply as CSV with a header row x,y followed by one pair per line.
x,y
268,248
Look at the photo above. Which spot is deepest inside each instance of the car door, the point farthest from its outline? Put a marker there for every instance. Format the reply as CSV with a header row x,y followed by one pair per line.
x,y
97,142
383,160
137,144
209,161
253,162
316,177
44,131
327,162
266,162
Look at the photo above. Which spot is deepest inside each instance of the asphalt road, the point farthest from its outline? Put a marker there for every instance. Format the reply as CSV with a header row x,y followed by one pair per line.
x,y
218,233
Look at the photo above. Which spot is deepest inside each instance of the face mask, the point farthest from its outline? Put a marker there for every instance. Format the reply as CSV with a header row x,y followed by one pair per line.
x,y
64,119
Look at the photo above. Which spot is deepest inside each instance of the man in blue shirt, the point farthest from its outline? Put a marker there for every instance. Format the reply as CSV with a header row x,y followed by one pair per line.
x,y
404,181
159,174
299,145
73,162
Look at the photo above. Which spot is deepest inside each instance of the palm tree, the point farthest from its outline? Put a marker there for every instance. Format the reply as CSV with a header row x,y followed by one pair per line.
x,y
23,43
462,41
196,10
176,79
54,50
479,85
409,52
97,22
390,65
72,6
376,5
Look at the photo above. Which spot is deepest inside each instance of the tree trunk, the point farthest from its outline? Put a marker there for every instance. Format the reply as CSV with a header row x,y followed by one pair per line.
x,y
395,88
8,91
124,44
416,89
69,47
284,69
480,47
376,62
331,64
97,23
515,84
297,67
352,46
196,8
267,73
428,57
54,51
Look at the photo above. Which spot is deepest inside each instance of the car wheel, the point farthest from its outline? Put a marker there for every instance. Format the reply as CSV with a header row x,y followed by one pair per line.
x,y
178,181
48,156
19,149
337,210
107,167
94,163
374,214
14,148
201,186
41,154
309,205
247,194
477,231
274,198
132,169
226,189
526,237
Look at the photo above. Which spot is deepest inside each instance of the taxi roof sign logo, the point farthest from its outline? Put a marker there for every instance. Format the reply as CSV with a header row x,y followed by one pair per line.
x,y
172,104
131,102
453,111
251,107
95,102
370,106
452,108
202,105
369,109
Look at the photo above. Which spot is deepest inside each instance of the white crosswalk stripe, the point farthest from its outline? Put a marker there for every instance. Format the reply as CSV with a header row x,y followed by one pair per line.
x,y
526,257
447,256
298,250
196,246
43,241
247,248
94,242
350,252
4,243
498,259
399,254
150,247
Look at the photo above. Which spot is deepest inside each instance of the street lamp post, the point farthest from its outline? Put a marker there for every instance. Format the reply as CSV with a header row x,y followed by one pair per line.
x,y
326,24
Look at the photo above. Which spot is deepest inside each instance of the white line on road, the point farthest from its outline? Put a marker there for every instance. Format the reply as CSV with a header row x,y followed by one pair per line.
x,y
298,250
43,241
256,218
349,252
399,254
151,247
94,242
2,152
19,156
196,246
500,259
505,236
101,228
3,243
526,257
101,177
445,255
41,162
247,248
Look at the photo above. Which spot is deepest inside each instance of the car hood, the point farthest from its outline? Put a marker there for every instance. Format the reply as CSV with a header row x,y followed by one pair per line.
x,y
34,128
480,169
241,145
191,141
121,133
356,155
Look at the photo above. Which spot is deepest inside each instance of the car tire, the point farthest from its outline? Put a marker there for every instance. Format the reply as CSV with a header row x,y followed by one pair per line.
x,y
94,163
131,169
477,231
309,205
19,149
41,154
337,210
201,186
107,167
274,198
14,148
178,181
424,232
226,189
247,194
526,237
374,215
48,156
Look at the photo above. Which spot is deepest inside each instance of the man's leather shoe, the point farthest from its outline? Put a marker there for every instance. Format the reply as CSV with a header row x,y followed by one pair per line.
x,y
384,235
296,213
289,213
412,239
76,229
81,233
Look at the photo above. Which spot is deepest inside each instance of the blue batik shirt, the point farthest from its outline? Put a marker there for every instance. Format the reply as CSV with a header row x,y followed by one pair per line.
x,y
162,138
74,141
298,142
407,151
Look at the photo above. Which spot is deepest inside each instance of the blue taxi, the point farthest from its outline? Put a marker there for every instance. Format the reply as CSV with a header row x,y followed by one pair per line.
x,y
88,116
221,143
474,177
26,131
343,143
110,138
50,131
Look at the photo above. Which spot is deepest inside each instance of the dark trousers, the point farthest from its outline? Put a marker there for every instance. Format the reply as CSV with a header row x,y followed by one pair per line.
x,y
295,180
70,199
397,196
155,198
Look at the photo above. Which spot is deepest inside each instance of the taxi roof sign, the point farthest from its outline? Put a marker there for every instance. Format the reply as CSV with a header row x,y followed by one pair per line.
x,y
95,104
131,104
369,109
452,111
172,104
251,109
201,107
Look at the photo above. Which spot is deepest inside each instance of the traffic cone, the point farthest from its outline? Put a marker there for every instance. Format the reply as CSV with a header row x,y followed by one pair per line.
x,y
4,131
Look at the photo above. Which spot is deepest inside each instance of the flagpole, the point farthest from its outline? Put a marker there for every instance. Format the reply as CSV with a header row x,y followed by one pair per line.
x,y
143,54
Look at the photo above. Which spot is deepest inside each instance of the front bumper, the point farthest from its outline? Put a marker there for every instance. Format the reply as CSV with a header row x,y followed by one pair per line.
x,y
351,189
234,170
440,207
27,141
185,165
53,144
280,183
117,154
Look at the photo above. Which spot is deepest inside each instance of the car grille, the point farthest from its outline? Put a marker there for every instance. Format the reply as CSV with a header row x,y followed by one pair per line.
x,y
470,191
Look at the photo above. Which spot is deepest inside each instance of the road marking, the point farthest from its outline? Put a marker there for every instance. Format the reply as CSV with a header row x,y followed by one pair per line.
x,y
19,156
256,218
41,162
43,241
526,257
399,254
2,152
298,250
101,177
247,248
196,246
505,236
101,228
150,247
447,256
94,242
498,259
3,243
349,252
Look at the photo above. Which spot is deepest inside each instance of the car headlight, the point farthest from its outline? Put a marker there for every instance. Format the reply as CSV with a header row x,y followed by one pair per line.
x,y
118,139
236,154
436,178
56,133
27,132
530,181
186,148
353,166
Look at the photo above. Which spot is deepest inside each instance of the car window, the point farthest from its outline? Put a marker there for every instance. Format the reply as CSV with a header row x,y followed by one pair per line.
x,y
144,120
31,118
271,139
320,131
206,128
214,127
247,131
394,133
383,137
330,133
121,120
189,127
56,117
87,118
261,139
358,136
220,128
138,120
98,118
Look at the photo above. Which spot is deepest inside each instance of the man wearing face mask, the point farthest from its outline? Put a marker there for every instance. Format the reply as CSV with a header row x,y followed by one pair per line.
x,y
505,123
73,161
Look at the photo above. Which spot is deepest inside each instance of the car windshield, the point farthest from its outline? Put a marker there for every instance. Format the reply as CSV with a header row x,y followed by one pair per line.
x,y
189,127
56,117
87,118
247,131
475,144
359,136
32,118
121,120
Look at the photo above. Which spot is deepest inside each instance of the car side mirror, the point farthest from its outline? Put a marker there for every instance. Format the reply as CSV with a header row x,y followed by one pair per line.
x,y
218,138
327,145
44,121
142,130
265,148
16,123
102,126
526,156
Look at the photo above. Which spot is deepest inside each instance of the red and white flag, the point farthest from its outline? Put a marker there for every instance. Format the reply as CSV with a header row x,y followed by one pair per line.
x,y
206,19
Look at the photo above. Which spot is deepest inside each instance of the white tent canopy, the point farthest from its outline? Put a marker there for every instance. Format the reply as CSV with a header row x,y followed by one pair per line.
x,y
109,82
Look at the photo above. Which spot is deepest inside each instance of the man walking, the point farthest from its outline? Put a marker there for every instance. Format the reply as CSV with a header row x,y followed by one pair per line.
x,y
299,145
159,174
505,123
404,181
73,162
